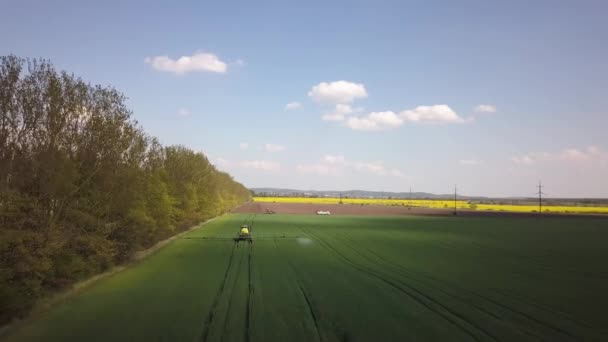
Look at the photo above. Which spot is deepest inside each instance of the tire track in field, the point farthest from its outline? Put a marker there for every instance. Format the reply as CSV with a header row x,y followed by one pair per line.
x,y
413,293
494,302
209,319
487,299
411,276
537,260
528,301
249,285
252,222
246,219
249,295
310,309
408,273
437,287
428,296
231,296
309,304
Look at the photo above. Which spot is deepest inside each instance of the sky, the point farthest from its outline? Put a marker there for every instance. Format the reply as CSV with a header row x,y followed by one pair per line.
x,y
339,95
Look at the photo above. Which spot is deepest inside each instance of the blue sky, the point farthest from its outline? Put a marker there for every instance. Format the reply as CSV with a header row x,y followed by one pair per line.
x,y
387,92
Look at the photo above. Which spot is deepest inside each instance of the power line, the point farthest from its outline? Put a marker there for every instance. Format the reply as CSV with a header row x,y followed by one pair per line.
x,y
455,197
540,194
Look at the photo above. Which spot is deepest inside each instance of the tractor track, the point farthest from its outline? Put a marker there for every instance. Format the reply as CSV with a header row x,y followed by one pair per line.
x,y
406,272
543,307
496,303
309,304
249,295
246,219
527,316
252,221
539,261
310,309
410,275
209,319
249,220
419,297
230,297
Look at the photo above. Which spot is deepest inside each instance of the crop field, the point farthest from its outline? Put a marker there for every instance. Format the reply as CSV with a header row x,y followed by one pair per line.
x,y
440,204
352,278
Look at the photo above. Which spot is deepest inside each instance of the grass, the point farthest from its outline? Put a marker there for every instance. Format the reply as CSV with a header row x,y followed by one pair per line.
x,y
441,204
340,278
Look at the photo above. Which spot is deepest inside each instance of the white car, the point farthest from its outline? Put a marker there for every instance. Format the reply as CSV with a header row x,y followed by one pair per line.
x,y
321,212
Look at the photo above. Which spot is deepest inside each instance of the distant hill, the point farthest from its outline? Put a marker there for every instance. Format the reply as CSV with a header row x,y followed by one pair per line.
x,y
355,194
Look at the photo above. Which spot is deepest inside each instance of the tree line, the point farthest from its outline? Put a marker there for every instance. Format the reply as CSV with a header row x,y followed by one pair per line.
x,y
83,187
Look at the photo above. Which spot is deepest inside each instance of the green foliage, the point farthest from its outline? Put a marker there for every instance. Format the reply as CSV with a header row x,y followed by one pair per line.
x,y
82,187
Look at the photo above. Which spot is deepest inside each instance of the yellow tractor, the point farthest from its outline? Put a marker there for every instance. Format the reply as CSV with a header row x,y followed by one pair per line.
x,y
244,234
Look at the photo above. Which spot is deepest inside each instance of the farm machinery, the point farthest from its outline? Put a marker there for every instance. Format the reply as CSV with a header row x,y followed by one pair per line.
x,y
244,234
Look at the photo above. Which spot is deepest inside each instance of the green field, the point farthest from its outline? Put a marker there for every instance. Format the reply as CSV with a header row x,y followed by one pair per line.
x,y
332,278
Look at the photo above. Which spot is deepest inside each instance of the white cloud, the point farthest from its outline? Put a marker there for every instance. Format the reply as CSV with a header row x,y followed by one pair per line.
x,y
378,169
362,124
376,121
485,108
589,154
375,168
264,165
222,163
386,119
200,61
331,159
293,105
431,114
243,146
397,173
469,162
274,148
526,159
337,92
339,113
183,112
332,117
334,165
318,169
573,154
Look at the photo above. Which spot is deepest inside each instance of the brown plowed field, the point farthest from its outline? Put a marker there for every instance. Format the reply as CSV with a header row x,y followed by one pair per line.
x,y
378,210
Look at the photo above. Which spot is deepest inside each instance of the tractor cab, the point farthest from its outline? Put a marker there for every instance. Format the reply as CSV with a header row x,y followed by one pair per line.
x,y
244,234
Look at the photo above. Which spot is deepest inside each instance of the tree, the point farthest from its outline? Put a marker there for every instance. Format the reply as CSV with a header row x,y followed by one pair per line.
x,y
82,187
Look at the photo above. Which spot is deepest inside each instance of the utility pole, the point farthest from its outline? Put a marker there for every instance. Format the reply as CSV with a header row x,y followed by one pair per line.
x,y
540,198
455,196
409,203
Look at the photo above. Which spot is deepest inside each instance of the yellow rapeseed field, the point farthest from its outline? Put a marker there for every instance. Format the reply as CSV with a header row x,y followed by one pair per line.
x,y
546,208
438,204
374,201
